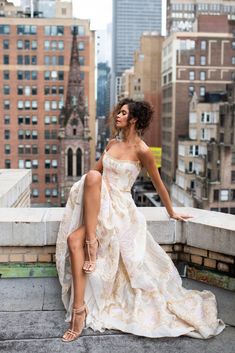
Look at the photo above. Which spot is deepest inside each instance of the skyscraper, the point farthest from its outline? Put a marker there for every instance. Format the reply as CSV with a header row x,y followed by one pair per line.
x,y
130,19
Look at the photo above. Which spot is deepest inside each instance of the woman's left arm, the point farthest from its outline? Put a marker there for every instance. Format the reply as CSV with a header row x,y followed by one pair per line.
x,y
147,160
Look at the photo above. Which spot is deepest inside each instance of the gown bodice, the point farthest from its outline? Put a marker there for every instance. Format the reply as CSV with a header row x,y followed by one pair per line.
x,y
120,174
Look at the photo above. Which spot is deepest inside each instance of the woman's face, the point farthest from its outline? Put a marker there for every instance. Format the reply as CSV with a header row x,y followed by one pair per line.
x,y
122,117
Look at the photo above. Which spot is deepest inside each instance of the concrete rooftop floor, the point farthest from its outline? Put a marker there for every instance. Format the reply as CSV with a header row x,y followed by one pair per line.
x,y
32,321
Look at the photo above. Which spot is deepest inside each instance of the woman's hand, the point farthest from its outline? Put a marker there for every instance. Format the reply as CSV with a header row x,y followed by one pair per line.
x,y
180,217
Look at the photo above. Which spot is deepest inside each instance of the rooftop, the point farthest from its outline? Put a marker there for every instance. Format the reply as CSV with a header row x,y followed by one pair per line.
x,y
32,315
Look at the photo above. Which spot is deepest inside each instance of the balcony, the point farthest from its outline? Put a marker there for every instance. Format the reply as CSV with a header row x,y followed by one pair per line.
x,y
32,315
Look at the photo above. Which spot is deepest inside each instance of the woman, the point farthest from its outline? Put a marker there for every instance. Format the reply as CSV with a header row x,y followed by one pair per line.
x,y
133,285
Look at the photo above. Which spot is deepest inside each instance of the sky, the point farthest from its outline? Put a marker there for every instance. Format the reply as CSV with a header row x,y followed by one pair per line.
x,y
98,11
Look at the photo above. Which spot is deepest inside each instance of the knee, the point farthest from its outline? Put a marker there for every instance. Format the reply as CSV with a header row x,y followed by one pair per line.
x,y
93,177
74,242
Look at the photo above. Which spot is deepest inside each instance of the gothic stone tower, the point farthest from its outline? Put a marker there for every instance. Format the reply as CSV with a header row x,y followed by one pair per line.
x,y
73,133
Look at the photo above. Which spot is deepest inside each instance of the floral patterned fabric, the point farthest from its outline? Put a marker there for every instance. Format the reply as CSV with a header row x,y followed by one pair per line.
x,y
135,287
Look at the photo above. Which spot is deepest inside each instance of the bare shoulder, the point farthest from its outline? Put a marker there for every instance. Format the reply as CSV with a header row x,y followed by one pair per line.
x,y
143,150
111,143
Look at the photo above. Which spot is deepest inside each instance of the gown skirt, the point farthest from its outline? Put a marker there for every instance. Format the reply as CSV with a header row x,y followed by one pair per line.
x,y
135,287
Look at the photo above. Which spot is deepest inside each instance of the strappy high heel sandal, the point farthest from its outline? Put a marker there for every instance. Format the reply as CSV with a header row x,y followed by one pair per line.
x,y
91,247
77,314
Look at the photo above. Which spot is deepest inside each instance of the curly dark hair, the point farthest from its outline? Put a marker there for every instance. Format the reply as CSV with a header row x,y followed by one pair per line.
x,y
140,110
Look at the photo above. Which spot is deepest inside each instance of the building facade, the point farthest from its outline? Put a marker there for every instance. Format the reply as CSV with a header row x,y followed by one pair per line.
x,y
205,177
130,19
35,66
47,8
143,81
181,14
192,62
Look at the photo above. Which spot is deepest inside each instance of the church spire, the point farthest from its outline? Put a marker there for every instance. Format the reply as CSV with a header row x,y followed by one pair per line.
x,y
74,103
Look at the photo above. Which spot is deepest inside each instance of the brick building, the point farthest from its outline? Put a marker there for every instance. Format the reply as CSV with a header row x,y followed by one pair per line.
x,y
181,14
34,65
198,62
206,162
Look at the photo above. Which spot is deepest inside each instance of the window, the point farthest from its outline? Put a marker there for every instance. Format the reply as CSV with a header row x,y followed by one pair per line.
x,y
34,45
47,178
6,119
203,45
47,192
34,75
47,149
46,60
35,193
34,60
34,149
46,45
233,45
60,75
6,75
202,75
192,60
60,45
34,134
34,120
47,120
6,44
233,60
233,176
7,134
20,90
6,105
7,149
27,120
81,60
35,178
4,29
223,195
6,60
60,60
6,89
7,163
81,46
47,163
46,75
27,44
191,75
20,149
202,91
35,163
202,60
34,91
20,60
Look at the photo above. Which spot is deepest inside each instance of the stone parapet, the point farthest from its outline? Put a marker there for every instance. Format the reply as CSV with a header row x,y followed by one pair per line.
x,y
15,187
206,241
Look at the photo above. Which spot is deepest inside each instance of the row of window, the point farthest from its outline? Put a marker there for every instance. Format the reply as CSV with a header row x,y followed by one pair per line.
x,y
32,149
31,134
48,193
33,75
49,178
33,105
48,30
32,60
224,195
33,45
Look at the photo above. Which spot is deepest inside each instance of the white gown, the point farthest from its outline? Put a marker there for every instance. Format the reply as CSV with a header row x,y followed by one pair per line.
x,y
135,287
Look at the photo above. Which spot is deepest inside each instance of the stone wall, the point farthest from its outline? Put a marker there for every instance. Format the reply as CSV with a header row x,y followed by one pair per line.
x,y
204,243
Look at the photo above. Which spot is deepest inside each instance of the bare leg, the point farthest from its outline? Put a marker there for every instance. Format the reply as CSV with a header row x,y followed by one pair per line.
x,y
76,248
91,201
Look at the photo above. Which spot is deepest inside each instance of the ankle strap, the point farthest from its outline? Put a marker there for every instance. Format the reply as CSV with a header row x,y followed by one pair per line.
x,y
91,241
79,310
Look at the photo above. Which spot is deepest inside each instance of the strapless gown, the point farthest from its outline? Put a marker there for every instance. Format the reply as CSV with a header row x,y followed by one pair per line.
x,y
135,287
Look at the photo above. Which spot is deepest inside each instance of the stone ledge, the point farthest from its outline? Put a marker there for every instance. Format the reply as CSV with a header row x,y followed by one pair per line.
x,y
15,187
206,230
